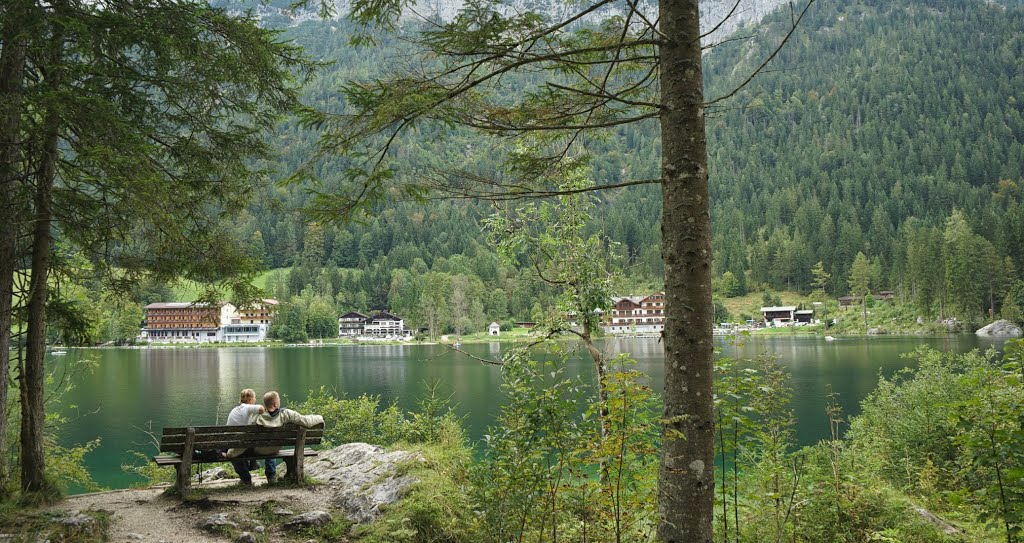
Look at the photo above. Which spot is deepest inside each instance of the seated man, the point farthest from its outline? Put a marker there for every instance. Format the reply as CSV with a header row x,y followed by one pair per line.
x,y
241,415
275,417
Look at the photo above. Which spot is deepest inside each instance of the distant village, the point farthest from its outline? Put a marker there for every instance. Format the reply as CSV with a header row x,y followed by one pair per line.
x,y
197,322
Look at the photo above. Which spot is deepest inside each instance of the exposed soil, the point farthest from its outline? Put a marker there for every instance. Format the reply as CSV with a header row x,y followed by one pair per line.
x,y
152,515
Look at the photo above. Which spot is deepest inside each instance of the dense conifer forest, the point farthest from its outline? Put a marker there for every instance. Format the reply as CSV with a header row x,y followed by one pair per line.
x,y
889,130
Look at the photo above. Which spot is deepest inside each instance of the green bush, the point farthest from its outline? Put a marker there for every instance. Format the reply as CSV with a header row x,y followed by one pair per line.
x,y
549,474
436,508
363,419
950,433
907,422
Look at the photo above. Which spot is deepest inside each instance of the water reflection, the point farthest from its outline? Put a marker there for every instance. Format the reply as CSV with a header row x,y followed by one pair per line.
x,y
174,387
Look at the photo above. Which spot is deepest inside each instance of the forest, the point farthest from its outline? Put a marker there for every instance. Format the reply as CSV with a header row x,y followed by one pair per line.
x,y
888,130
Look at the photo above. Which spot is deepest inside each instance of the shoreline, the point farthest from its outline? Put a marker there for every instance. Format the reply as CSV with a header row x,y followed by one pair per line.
x,y
764,332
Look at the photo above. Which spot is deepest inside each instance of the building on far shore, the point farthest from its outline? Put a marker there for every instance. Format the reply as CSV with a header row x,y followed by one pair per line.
x,y
805,316
251,323
384,324
351,324
786,315
637,314
190,322
494,329
261,312
381,325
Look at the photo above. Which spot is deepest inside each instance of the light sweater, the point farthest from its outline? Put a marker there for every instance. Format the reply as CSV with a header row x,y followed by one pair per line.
x,y
276,420
243,414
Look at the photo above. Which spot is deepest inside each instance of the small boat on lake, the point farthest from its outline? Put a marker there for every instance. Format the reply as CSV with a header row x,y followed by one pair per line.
x,y
829,338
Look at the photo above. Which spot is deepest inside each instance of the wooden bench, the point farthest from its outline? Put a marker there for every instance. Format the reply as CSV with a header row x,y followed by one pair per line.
x,y
182,442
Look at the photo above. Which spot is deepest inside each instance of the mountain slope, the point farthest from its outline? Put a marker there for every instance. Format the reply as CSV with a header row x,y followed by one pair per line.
x,y
877,114
869,129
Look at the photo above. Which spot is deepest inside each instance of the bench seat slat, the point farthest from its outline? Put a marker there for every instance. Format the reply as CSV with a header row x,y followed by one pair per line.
x,y
234,444
216,429
182,442
210,438
172,460
245,430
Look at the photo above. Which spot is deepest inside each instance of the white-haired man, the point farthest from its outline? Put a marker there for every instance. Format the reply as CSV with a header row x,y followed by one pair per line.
x,y
273,416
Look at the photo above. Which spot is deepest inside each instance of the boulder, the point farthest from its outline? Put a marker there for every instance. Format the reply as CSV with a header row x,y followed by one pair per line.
x,y
306,520
80,523
246,537
877,332
942,525
76,520
214,474
1000,328
217,522
364,477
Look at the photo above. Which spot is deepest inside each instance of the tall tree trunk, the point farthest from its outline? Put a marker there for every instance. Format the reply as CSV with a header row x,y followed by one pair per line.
x,y
601,369
12,73
32,409
686,480
32,415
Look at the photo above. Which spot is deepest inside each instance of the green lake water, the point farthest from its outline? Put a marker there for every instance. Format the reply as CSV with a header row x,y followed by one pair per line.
x,y
133,388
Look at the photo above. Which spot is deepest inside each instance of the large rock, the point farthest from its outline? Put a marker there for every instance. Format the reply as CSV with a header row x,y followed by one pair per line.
x,y
951,324
218,522
308,520
80,523
364,477
1001,328
214,474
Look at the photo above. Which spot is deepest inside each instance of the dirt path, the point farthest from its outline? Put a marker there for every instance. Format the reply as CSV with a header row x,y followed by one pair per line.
x,y
147,515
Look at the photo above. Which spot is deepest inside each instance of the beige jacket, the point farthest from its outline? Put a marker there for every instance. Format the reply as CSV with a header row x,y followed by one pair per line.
x,y
277,420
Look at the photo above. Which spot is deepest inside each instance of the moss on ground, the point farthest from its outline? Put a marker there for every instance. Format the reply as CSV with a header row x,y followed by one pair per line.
x,y
436,508
28,526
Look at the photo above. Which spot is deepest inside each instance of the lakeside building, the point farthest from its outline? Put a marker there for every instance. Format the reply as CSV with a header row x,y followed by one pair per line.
x,y
384,324
177,322
637,314
805,316
779,315
351,324
261,312
786,315
251,323
381,325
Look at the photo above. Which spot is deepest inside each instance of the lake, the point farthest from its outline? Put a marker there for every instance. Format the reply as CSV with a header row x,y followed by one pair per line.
x,y
131,388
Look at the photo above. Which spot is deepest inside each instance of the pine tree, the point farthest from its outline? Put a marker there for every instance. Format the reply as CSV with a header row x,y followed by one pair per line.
x,y
820,277
647,64
126,130
860,281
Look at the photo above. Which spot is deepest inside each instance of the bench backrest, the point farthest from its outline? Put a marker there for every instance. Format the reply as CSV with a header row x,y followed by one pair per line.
x,y
227,437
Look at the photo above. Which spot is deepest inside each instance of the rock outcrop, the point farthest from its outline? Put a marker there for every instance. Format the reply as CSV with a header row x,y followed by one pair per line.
x,y
364,477
214,474
218,522
308,520
1000,328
